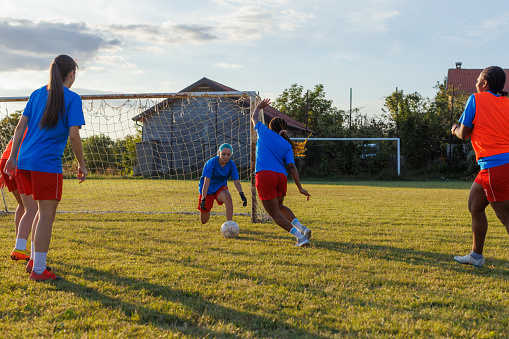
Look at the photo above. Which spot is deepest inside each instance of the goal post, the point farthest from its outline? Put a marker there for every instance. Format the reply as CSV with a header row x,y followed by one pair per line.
x,y
145,152
398,145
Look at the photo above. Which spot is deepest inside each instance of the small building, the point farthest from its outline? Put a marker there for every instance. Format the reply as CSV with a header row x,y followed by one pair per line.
x,y
462,81
180,134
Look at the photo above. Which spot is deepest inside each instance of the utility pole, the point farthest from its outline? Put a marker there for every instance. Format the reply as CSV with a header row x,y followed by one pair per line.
x,y
397,108
452,122
350,131
307,110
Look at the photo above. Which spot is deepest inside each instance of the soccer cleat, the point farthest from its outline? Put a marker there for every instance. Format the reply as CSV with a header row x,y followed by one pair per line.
x,y
304,242
46,275
469,260
20,255
30,265
306,231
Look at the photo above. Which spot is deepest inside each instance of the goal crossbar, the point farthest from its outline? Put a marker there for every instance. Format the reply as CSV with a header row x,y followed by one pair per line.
x,y
179,95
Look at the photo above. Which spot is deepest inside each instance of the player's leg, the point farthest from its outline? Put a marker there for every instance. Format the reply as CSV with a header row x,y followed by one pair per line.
x,y
225,197
501,209
272,208
47,212
23,181
204,217
47,191
20,210
477,203
205,213
288,214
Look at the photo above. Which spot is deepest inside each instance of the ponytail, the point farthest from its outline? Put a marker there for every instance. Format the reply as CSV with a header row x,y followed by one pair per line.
x,y
60,68
280,126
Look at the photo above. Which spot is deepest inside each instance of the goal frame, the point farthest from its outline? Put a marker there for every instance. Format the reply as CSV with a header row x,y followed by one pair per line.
x,y
253,100
398,143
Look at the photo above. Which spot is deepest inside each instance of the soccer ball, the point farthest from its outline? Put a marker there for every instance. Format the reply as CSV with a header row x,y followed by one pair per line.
x,y
230,229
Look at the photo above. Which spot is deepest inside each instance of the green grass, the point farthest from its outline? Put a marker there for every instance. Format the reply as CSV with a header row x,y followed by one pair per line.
x,y
380,265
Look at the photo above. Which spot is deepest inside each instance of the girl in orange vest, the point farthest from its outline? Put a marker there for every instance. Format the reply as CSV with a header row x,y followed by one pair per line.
x,y
486,121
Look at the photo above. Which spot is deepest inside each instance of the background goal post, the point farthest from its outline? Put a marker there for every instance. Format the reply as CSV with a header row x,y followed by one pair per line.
x,y
368,147
147,151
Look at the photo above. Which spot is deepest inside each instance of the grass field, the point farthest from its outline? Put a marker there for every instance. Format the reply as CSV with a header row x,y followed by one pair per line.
x,y
381,265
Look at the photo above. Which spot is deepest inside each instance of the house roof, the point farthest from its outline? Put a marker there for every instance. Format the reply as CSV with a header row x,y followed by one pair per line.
x,y
207,85
464,80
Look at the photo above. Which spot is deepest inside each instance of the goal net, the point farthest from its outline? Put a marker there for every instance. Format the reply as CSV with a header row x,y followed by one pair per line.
x,y
145,153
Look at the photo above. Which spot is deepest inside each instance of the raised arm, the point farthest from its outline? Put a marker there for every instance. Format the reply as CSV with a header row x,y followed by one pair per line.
x,y
256,113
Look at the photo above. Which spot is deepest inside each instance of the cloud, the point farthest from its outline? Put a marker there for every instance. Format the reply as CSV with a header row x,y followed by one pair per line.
x,y
371,19
229,66
167,33
32,45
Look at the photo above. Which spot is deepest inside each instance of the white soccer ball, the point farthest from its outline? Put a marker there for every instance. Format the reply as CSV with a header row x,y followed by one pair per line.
x,y
230,229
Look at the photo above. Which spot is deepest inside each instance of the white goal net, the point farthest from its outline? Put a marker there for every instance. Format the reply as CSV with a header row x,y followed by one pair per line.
x,y
145,153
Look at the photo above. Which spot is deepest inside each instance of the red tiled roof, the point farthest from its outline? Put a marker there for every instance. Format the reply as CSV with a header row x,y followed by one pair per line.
x,y
464,80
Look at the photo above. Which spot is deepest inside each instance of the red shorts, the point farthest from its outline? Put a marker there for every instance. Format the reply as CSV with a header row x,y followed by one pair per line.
x,y
209,199
43,186
10,183
270,185
495,182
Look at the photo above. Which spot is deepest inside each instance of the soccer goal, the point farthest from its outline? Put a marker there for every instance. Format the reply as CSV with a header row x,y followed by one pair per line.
x,y
146,152
358,153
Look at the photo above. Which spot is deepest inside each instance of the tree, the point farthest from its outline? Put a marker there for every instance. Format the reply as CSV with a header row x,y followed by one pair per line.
x,y
311,108
423,124
7,127
98,153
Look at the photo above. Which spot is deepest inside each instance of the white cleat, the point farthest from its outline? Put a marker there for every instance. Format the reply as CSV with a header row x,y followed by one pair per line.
x,y
304,242
469,260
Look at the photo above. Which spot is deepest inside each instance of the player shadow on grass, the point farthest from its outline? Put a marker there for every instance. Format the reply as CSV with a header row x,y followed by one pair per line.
x,y
417,257
246,321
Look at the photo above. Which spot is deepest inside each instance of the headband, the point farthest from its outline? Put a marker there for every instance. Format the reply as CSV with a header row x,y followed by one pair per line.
x,y
225,145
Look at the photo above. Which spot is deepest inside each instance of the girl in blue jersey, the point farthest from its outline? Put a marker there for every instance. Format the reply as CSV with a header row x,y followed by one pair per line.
x,y
274,155
213,181
52,114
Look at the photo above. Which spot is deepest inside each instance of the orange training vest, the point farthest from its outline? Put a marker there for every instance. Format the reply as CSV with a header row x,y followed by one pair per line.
x,y
490,135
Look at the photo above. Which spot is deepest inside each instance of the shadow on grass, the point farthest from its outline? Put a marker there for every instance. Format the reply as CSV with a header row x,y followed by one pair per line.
x,y
416,257
191,325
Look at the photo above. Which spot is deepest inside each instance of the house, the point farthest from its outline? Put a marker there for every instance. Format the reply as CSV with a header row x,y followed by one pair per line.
x,y
462,81
180,134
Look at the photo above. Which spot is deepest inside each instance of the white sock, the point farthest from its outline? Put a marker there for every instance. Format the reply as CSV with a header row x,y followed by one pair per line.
x,y
295,232
296,223
39,262
21,244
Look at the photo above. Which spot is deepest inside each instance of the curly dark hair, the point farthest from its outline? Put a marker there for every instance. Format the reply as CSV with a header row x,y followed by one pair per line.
x,y
495,76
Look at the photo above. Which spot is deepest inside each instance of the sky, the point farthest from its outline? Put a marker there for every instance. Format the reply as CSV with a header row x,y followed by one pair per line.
x,y
163,46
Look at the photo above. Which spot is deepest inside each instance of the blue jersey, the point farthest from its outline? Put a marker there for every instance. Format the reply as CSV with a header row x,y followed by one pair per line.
x,y
42,149
218,174
273,152
467,119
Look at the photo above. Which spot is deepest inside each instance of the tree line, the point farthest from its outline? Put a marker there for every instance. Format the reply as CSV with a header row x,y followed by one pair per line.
x,y
423,125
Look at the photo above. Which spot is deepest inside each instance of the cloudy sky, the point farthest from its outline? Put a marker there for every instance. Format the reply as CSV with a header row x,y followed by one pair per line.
x,y
154,46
